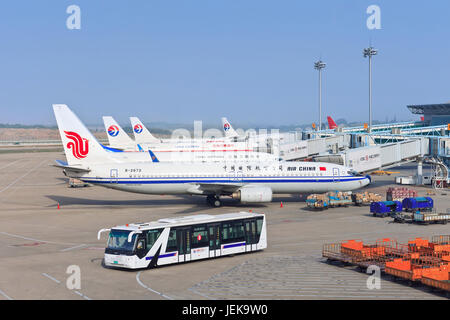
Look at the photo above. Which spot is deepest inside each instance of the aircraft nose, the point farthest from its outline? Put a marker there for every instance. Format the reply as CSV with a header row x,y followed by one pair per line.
x,y
369,178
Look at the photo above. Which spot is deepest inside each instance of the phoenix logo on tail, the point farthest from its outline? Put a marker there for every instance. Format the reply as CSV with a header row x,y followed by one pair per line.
x,y
113,131
138,128
79,145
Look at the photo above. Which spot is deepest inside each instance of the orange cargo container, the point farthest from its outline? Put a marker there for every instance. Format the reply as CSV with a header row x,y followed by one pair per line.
x,y
437,277
418,243
440,247
357,249
404,269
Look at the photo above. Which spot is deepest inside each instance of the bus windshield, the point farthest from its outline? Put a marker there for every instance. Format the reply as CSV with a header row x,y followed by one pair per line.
x,y
118,239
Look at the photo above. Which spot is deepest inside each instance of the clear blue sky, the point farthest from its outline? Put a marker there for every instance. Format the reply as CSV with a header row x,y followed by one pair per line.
x,y
250,60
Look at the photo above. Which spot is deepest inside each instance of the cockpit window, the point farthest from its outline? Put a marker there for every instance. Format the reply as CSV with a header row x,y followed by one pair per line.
x,y
118,239
355,173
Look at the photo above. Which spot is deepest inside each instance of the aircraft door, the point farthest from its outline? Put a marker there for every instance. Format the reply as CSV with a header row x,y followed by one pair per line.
x,y
336,176
114,176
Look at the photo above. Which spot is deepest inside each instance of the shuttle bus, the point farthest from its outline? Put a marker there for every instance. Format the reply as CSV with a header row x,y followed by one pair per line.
x,y
183,239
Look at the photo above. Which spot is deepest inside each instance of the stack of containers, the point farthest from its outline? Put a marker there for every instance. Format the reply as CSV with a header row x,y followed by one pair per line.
x,y
423,255
400,193
437,277
404,269
360,252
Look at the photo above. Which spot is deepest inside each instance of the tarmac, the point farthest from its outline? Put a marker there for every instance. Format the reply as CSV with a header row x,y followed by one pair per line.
x,y
39,243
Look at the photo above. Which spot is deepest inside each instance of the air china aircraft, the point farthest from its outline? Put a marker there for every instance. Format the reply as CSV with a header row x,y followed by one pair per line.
x,y
246,181
331,124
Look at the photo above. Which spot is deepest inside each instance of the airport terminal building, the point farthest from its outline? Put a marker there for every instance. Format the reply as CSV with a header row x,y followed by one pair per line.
x,y
434,114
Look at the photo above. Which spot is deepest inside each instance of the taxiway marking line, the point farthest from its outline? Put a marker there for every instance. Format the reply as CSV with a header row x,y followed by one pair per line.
x,y
73,248
59,282
5,295
150,289
22,176
10,164
82,295
32,239
51,278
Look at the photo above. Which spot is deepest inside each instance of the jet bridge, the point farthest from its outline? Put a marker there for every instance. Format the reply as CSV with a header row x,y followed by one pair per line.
x,y
377,157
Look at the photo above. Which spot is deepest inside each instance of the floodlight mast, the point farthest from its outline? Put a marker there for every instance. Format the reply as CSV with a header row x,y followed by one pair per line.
x,y
319,65
369,52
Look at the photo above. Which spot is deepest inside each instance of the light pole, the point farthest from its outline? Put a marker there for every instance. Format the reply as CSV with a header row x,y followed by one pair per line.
x,y
369,52
319,65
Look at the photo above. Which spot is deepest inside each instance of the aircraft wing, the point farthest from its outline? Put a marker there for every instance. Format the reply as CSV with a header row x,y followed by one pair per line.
x,y
217,188
65,166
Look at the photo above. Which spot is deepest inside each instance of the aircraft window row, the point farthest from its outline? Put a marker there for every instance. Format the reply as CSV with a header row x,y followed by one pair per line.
x,y
244,174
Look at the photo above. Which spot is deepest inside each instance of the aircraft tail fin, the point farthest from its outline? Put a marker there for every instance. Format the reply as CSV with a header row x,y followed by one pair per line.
x,y
331,123
153,156
117,137
80,145
141,133
228,129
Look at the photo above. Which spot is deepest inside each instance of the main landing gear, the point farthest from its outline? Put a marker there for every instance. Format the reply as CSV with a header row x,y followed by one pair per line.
x,y
213,201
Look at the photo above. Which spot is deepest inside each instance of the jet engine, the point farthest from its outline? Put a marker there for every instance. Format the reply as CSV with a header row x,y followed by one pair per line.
x,y
253,194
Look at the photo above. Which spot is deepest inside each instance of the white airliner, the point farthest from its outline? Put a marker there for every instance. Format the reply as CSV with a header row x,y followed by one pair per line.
x,y
228,129
117,137
246,181
141,134
250,137
191,150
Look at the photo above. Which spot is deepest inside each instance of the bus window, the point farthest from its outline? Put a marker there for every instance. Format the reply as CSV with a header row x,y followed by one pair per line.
x,y
233,232
199,237
118,239
140,245
240,231
259,223
152,236
172,241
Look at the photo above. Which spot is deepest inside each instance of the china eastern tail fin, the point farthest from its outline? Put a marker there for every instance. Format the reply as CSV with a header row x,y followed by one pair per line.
x,y
117,137
141,133
228,129
331,124
80,145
